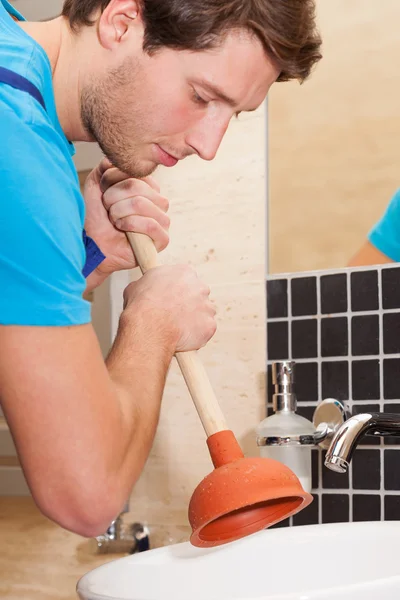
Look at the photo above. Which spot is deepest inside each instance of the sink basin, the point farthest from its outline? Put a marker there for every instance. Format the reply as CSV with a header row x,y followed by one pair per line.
x,y
350,561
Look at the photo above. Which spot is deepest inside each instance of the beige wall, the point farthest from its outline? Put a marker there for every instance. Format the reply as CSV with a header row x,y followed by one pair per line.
x,y
334,142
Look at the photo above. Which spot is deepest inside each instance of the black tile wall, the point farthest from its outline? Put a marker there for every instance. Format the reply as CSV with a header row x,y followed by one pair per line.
x,y
334,337
366,507
392,471
332,480
284,523
270,387
343,330
366,379
391,333
315,460
308,516
366,465
390,288
392,508
304,296
365,335
335,380
391,373
391,440
277,298
304,338
333,293
335,508
307,381
364,290
306,411
277,340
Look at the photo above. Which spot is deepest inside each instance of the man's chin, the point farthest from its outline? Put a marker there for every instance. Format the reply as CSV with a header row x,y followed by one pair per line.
x,y
136,170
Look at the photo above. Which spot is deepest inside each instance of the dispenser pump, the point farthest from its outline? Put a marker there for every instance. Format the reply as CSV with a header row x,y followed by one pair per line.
x,y
284,397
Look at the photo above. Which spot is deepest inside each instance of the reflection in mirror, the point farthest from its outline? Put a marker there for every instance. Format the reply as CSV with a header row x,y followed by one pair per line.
x,y
334,146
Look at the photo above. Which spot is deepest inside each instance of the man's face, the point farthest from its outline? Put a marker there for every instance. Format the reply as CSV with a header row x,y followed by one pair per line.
x,y
160,108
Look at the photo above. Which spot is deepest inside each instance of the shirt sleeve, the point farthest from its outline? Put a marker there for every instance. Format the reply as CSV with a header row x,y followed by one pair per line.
x,y
42,253
385,235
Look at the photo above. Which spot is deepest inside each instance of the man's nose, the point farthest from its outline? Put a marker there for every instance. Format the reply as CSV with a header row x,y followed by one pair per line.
x,y
207,136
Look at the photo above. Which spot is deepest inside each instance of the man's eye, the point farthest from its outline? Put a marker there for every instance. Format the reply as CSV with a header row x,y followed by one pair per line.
x,y
198,99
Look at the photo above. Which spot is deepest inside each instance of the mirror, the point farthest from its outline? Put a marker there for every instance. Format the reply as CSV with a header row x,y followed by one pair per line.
x,y
334,141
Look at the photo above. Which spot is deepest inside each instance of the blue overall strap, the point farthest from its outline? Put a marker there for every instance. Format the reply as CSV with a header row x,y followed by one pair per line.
x,y
20,83
94,255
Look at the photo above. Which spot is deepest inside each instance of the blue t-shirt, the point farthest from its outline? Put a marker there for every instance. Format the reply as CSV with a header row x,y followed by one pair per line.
x,y
42,211
385,235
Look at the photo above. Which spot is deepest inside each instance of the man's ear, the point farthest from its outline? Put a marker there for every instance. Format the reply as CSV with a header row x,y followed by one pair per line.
x,y
116,20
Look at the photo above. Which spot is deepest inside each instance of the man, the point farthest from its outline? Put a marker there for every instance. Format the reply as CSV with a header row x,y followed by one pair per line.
x,y
383,241
151,82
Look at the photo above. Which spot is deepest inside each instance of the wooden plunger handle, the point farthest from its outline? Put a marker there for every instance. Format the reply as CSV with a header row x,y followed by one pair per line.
x,y
190,364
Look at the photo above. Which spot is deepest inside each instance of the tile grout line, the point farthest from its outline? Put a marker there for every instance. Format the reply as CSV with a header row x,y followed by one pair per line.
x,y
335,315
380,329
319,395
344,358
289,322
333,271
289,317
350,391
363,492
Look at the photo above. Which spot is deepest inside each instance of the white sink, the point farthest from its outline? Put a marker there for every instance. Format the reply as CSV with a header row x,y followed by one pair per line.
x,y
350,561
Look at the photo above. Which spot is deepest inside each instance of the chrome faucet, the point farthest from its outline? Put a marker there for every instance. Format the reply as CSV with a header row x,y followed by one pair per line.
x,y
121,537
349,434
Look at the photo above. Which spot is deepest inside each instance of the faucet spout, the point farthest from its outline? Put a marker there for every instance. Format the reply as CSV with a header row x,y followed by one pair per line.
x,y
348,436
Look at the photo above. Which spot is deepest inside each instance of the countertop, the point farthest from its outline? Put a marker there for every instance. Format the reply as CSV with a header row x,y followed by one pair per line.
x,y
38,559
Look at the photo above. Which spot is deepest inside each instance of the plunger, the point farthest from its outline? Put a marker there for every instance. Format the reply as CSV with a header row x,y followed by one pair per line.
x,y
242,495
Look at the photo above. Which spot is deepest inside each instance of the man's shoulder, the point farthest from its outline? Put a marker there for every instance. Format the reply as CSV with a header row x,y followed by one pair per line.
x,y
19,52
35,171
30,145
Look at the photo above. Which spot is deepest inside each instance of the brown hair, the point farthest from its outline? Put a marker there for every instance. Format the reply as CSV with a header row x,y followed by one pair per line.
x,y
286,28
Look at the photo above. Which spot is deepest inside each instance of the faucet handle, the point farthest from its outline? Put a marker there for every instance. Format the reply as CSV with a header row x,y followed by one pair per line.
x,y
327,418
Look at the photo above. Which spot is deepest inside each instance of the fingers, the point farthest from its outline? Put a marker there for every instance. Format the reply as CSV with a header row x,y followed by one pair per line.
x,y
139,205
131,188
103,166
148,226
139,214
111,175
136,205
152,183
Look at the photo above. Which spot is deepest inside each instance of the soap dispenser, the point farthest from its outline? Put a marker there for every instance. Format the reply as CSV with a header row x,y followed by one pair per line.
x,y
286,436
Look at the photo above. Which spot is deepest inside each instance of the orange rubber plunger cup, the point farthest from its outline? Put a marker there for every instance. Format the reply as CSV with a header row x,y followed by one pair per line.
x,y
242,495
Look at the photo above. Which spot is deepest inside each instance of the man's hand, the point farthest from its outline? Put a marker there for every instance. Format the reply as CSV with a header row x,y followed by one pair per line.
x,y
175,303
115,204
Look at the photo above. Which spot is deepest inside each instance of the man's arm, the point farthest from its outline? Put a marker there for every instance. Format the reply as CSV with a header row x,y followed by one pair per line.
x,y
368,255
82,433
93,280
83,429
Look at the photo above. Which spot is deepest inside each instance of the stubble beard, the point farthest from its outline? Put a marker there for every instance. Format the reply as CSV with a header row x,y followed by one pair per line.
x,y
107,116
